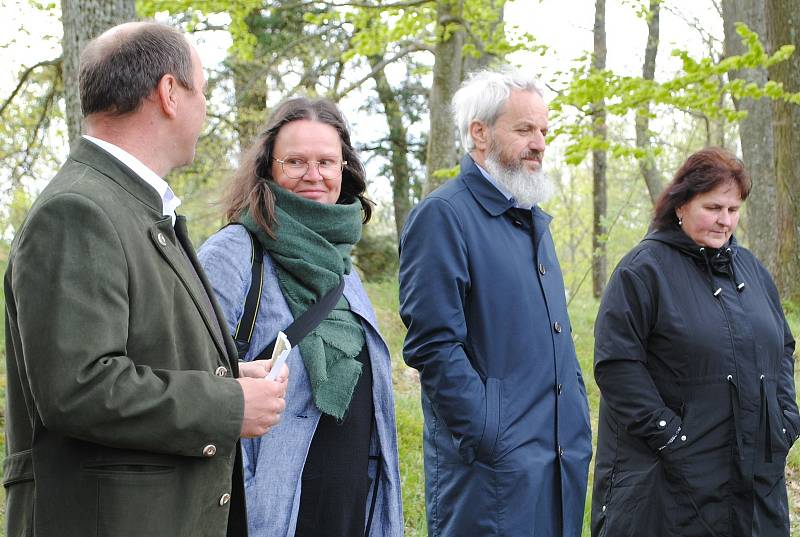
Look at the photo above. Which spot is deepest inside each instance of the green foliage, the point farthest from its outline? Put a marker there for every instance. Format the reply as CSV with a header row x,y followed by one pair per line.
x,y
699,88
194,15
376,257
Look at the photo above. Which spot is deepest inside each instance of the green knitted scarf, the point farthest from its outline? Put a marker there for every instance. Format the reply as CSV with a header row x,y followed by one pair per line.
x,y
311,254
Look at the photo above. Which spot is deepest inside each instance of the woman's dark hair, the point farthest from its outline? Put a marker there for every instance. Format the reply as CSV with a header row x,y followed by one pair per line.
x,y
702,172
248,188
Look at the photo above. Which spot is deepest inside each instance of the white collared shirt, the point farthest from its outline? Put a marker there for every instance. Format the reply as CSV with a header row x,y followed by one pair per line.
x,y
169,201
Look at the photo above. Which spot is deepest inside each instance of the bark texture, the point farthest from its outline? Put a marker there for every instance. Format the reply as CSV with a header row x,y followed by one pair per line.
x,y
647,164
83,20
398,147
447,72
755,133
599,162
783,28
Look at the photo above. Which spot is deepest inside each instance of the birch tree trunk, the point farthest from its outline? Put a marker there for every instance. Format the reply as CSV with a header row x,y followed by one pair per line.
x,y
83,20
756,135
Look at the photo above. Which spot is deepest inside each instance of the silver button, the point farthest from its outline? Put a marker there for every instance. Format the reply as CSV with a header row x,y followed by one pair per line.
x,y
210,450
224,499
604,508
783,430
542,270
221,371
662,423
683,438
557,327
560,451
162,240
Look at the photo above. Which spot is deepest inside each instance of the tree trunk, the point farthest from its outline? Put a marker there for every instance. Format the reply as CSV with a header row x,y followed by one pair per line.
x,y
83,20
647,164
599,162
398,146
755,133
447,65
783,27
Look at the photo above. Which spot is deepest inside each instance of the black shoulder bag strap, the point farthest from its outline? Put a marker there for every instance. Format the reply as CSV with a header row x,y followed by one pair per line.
x,y
244,329
308,321
296,331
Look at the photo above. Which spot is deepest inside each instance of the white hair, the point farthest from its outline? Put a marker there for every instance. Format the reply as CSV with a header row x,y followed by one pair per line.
x,y
483,94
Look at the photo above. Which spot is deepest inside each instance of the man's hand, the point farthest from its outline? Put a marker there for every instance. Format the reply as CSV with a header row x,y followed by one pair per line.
x,y
263,403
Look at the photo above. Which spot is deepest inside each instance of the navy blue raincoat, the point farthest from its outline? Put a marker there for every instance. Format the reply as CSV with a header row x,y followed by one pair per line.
x,y
507,437
694,361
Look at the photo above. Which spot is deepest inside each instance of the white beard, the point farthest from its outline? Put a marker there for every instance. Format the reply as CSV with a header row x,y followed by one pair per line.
x,y
527,188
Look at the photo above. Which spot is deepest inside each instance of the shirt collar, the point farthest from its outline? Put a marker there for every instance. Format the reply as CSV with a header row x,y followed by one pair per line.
x,y
500,188
169,201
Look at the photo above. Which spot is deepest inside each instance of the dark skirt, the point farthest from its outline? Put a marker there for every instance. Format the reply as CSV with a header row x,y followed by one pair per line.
x,y
335,480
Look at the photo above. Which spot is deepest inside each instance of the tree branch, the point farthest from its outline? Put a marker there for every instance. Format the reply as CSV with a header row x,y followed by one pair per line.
x,y
414,47
25,75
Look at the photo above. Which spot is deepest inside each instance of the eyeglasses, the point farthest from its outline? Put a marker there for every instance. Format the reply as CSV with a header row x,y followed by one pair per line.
x,y
295,168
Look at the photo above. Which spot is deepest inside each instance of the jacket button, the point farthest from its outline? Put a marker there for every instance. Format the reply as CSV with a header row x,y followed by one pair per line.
x,y
518,223
557,327
224,499
162,240
542,269
210,450
560,451
221,371
683,438
559,388
662,424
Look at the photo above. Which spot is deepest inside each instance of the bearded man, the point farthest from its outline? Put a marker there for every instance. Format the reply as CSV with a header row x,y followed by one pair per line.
x,y
507,439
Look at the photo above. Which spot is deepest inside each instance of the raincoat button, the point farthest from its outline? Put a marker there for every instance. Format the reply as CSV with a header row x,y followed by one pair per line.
x,y
224,499
559,388
221,371
162,240
662,424
557,327
683,438
542,270
210,450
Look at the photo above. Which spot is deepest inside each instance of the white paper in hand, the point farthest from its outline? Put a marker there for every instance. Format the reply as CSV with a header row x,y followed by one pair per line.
x,y
279,355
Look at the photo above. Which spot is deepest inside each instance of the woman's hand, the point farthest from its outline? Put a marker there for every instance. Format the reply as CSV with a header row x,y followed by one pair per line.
x,y
259,369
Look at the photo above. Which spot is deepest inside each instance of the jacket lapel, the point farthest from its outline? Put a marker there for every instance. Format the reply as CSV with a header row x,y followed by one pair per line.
x,y
165,240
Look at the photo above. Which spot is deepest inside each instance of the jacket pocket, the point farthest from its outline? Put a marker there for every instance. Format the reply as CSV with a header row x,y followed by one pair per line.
x,y
135,502
491,427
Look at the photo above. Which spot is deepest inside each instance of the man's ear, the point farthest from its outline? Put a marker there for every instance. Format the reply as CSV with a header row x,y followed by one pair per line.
x,y
480,134
166,94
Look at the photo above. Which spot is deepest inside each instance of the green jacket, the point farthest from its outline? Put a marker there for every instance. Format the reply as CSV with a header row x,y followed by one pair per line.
x,y
122,414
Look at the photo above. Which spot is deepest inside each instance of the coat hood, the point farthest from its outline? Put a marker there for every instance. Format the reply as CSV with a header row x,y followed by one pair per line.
x,y
711,260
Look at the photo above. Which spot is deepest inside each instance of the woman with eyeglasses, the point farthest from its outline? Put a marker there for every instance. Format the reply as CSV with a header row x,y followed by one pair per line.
x,y
330,467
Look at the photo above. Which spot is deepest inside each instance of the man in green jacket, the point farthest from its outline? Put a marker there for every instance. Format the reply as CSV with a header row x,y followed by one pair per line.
x,y
124,408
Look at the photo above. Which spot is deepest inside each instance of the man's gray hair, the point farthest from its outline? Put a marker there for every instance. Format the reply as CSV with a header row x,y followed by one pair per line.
x,y
482,96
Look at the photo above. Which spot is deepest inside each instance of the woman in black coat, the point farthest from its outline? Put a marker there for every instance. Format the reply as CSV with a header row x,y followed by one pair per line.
x,y
694,360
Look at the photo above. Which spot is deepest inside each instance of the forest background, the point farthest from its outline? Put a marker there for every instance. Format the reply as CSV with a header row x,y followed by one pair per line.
x,y
634,87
